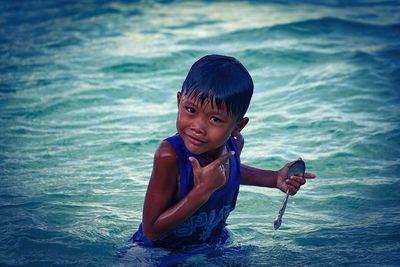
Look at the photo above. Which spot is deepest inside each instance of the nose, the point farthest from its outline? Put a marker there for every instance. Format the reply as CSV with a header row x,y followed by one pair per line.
x,y
198,126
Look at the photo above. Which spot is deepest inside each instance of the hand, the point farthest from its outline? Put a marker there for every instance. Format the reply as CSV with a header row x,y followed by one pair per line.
x,y
295,181
212,176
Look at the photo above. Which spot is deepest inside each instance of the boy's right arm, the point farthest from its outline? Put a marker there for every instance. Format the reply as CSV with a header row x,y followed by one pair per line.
x,y
160,214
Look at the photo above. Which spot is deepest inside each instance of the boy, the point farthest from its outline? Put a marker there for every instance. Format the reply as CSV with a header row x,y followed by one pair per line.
x,y
197,172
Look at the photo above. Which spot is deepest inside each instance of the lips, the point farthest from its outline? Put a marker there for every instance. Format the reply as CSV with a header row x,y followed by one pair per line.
x,y
195,141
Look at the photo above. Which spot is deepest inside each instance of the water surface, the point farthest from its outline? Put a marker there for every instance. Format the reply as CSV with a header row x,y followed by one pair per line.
x,y
88,91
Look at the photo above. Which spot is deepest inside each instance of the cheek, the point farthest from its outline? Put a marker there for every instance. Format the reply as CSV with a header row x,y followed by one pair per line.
x,y
181,120
178,121
220,135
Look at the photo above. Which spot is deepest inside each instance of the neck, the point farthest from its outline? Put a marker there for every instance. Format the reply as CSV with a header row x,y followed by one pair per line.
x,y
208,157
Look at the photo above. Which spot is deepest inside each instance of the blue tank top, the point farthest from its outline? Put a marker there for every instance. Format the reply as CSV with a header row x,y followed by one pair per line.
x,y
207,224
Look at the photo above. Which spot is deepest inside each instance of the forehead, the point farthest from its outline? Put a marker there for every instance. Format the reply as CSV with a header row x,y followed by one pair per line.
x,y
208,103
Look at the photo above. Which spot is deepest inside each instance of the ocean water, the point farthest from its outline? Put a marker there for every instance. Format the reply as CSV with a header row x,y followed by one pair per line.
x,y
88,91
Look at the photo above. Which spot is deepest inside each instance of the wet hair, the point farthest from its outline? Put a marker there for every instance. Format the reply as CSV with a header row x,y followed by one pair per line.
x,y
223,80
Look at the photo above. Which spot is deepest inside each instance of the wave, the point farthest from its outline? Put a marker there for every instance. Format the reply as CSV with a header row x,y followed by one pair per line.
x,y
305,29
329,25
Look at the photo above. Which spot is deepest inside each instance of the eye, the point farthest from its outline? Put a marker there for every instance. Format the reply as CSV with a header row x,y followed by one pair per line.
x,y
190,109
215,119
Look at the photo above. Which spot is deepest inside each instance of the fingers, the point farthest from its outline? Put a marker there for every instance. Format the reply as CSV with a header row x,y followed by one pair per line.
x,y
293,186
293,190
294,183
309,175
222,159
195,165
216,163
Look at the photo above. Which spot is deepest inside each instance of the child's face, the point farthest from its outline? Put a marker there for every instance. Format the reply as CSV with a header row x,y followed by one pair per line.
x,y
203,128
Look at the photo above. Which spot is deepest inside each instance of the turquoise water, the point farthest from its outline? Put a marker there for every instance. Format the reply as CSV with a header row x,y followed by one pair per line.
x,y
87,92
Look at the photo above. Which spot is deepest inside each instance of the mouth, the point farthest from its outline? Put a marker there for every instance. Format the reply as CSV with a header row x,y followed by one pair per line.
x,y
195,141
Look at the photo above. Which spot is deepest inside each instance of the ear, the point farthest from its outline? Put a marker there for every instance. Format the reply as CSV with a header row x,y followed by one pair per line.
x,y
239,126
179,97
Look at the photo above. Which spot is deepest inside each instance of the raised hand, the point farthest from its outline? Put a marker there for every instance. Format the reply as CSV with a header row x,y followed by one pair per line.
x,y
212,176
295,181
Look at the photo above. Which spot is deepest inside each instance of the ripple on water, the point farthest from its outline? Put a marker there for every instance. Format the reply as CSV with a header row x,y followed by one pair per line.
x,y
88,91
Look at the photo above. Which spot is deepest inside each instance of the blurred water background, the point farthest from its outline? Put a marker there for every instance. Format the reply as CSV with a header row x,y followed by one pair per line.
x,y
88,91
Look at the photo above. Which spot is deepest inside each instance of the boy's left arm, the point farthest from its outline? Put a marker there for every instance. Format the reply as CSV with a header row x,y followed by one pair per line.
x,y
267,178
274,179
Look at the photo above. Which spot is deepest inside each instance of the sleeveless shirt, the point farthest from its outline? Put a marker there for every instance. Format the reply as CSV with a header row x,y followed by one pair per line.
x,y
207,224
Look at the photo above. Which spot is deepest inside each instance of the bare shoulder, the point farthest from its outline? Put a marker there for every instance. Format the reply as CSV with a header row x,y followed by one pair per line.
x,y
166,151
166,159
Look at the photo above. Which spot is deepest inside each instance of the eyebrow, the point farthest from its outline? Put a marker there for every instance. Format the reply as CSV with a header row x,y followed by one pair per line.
x,y
214,109
198,100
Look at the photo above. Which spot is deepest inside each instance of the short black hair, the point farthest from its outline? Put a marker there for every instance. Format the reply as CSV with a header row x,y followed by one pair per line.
x,y
224,80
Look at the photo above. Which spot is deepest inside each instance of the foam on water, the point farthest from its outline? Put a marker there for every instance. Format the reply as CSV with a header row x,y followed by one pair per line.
x,y
88,90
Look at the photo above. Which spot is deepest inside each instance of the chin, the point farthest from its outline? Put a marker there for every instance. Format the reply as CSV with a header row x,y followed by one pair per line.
x,y
194,149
